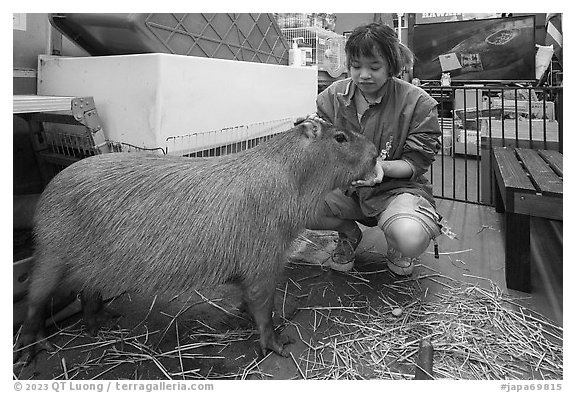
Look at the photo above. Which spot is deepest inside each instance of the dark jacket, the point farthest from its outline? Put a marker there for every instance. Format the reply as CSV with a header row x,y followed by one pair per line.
x,y
404,124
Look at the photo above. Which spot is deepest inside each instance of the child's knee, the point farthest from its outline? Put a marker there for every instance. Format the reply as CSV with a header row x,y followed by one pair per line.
x,y
409,223
408,236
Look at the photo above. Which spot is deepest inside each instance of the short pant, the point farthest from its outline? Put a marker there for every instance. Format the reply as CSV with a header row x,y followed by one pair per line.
x,y
405,205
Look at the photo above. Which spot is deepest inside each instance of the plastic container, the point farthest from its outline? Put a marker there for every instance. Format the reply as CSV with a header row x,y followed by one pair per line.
x,y
152,100
445,79
296,55
245,37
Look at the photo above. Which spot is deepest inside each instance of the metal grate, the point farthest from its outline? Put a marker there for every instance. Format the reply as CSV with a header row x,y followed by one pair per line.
x,y
63,145
244,37
74,146
58,148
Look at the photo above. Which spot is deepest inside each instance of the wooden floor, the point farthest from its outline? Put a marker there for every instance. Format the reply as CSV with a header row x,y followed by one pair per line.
x,y
480,229
477,254
479,251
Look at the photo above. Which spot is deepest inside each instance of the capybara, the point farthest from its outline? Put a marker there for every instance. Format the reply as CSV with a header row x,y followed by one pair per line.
x,y
164,225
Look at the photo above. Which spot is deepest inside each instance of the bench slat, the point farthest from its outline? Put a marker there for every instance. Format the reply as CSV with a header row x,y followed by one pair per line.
x,y
545,179
554,159
513,175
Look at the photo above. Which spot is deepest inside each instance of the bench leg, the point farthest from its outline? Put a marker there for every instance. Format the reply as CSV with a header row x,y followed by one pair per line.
x,y
497,197
518,252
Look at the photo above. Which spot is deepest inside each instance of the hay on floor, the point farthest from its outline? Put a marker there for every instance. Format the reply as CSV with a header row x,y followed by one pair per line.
x,y
476,333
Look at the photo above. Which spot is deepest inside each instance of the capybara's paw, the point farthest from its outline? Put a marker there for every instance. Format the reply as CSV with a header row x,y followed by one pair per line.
x,y
27,349
276,344
98,319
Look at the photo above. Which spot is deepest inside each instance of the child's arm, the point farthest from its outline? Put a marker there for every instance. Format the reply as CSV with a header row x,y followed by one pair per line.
x,y
398,169
422,143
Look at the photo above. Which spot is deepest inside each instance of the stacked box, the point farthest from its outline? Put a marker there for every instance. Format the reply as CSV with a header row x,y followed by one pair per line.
x,y
526,108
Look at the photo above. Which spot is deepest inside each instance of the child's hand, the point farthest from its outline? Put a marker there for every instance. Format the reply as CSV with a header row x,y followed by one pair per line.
x,y
312,116
373,178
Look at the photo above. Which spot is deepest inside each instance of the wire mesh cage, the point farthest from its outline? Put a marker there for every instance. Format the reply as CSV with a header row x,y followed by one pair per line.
x,y
246,37
227,140
321,20
60,146
73,146
327,47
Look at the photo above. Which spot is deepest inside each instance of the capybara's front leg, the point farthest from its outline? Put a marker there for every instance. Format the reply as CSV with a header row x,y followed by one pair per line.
x,y
259,297
95,314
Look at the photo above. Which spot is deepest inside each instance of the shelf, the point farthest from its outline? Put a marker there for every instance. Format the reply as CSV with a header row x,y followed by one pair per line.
x,y
34,103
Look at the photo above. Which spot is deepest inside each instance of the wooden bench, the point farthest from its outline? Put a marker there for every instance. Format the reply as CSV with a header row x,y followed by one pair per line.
x,y
528,183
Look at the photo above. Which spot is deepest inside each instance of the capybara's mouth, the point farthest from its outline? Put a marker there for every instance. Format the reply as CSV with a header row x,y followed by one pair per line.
x,y
373,164
368,169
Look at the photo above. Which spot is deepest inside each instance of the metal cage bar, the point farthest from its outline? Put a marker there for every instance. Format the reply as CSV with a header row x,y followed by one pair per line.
x,y
489,116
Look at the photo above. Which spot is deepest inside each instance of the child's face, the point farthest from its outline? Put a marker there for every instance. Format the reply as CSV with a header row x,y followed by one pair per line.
x,y
369,73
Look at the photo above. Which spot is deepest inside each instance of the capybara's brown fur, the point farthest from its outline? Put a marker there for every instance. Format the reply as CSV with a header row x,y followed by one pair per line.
x,y
164,225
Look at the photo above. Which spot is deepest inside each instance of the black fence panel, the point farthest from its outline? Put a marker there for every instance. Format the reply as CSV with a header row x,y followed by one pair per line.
x,y
475,118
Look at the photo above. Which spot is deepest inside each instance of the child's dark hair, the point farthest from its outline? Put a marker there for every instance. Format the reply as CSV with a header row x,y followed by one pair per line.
x,y
382,38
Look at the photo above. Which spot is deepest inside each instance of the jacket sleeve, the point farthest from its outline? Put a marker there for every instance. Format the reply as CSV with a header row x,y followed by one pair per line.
x,y
423,140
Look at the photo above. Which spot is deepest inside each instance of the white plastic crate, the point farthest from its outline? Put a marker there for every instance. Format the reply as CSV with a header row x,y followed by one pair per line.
x,y
150,100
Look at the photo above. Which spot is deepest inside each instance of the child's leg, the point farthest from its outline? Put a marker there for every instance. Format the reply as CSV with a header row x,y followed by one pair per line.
x,y
409,223
339,213
408,236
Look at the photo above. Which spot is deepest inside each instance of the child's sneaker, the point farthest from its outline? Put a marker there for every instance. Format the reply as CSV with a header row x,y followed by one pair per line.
x,y
399,264
342,258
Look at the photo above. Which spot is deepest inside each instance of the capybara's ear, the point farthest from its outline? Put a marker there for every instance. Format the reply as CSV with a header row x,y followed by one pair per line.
x,y
311,129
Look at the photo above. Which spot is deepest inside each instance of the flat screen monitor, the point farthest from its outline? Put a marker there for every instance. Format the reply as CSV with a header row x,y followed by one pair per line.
x,y
499,49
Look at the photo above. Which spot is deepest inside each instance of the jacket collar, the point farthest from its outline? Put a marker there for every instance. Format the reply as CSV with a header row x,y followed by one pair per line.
x,y
349,110
348,93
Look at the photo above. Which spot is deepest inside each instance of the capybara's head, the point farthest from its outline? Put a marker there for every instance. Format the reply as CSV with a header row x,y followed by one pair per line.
x,y
341,155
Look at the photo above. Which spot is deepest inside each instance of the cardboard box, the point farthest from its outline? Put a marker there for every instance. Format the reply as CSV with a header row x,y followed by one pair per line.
x,y
447,143
472,95
467,142
522,129
526,108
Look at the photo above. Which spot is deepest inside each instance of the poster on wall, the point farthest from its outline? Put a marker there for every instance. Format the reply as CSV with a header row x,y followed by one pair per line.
x,y
482,49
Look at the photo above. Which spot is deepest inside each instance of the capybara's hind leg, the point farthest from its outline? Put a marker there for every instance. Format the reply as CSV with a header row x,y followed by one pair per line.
x,y
44,281
259,297
33,335
95,314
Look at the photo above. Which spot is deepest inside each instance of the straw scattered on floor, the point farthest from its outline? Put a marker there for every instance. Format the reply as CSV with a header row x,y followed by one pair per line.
x,y
477,333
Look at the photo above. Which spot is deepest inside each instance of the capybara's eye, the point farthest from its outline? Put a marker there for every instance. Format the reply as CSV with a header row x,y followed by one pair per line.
x,y
340,138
